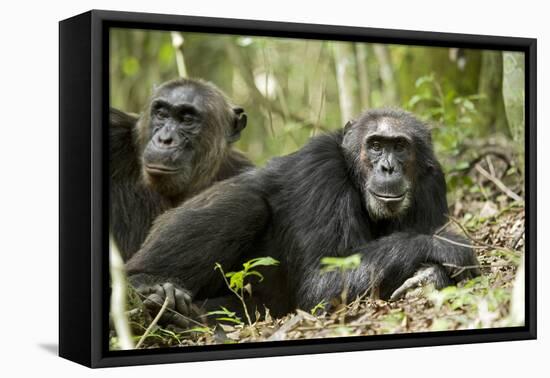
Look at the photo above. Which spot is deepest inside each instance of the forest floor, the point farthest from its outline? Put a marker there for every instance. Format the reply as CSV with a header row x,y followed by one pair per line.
x,y
488,213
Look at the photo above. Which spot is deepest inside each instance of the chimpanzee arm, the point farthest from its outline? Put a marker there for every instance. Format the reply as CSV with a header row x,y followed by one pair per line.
x,y
386,263
219,225
133,205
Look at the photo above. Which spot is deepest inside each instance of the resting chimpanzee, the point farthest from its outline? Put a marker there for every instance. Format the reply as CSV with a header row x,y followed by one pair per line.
x,y
179,146
375,188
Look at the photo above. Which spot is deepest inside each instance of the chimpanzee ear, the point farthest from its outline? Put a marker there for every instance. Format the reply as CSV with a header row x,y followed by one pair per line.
x,y
239,123
349,124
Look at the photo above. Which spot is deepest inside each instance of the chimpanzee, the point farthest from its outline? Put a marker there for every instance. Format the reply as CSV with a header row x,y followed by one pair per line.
x,y
181,144
373,188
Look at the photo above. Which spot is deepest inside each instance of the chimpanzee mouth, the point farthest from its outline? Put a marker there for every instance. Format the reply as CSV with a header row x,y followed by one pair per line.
x,y
161,169
388,197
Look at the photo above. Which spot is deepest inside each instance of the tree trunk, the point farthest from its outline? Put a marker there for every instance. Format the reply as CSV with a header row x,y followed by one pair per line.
x,y
513,91
491,109
345,78
389,88
362,73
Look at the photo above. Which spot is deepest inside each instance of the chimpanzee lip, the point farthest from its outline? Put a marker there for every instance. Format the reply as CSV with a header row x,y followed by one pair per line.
x,y
388,197
161,169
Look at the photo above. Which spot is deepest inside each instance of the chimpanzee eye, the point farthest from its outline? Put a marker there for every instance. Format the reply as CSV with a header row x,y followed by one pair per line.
x,y
376,146
161,113
187,118
400,146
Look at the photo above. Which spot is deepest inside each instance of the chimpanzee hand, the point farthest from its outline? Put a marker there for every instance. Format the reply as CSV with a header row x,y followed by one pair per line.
x,y
429,274
179,308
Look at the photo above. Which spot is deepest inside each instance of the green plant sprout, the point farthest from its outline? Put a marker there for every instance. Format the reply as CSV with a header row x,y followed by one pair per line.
x,y
319,306
237,283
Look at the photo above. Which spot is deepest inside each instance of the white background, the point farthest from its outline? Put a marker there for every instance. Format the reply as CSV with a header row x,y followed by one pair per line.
x,y
29,186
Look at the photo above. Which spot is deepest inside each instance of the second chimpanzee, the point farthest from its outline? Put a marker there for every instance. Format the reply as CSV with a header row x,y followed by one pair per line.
x,y
374,188
181,144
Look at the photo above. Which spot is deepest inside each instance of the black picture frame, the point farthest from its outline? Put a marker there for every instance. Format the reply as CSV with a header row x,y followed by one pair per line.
x,y
83,196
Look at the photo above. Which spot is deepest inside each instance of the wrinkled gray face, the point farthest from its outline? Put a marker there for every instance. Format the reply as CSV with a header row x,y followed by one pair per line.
x,y
388,157
185,134
176,122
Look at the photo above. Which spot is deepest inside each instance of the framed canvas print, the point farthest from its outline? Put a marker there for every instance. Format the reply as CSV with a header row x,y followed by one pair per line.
x,y
234,188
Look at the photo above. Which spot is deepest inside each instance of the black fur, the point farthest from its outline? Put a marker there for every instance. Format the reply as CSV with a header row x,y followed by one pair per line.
x,y
138,198
298,209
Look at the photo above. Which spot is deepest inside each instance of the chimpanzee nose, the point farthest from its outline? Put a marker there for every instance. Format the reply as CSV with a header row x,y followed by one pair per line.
x,y
387,167
165,140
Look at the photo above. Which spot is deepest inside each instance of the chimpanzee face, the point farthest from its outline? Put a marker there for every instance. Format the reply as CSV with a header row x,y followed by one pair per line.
x,y
177,119
383,153
186,130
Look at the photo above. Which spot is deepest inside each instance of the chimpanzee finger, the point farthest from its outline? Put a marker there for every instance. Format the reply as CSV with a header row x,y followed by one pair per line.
x,y
183,302
153,303
145,290
169,293
178,320
421,277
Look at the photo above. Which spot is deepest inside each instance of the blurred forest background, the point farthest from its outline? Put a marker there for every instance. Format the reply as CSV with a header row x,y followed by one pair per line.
x,y
293,89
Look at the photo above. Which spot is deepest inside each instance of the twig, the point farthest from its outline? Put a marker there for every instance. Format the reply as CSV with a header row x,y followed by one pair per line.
x,y
467,233
465,267
118,298
458,243
288,326
177,44
478,266
442,228
477,241
153,323
267,73
490,165
499,184
337,325
191,320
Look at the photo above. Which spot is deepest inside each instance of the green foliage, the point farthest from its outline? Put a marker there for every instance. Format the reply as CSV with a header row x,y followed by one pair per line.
x,y
330,264
452,114
454,119
238,286
319,307
236,279
226,315
475,296
130,66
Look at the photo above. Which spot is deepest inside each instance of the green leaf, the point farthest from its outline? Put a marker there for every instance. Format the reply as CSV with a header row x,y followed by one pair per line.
x,y
319,306
469,105
462,166
232,320
236,279
223,311
260,261
198,329
414,100
255,273
423,80
330,264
